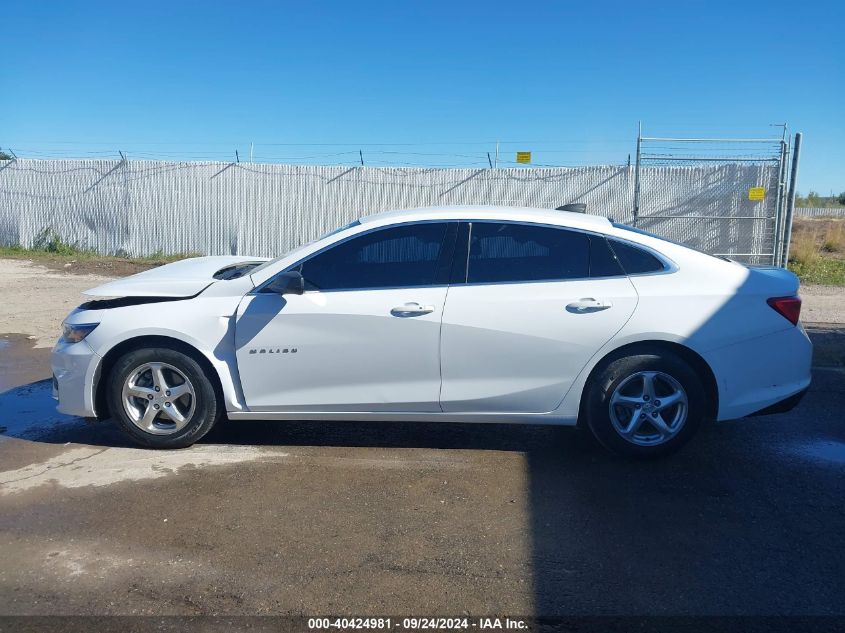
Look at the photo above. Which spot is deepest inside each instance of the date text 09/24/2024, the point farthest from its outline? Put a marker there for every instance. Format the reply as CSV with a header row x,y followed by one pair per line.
x,y
417,623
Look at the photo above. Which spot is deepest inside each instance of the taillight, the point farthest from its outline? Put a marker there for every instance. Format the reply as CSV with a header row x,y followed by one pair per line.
x,y
788,307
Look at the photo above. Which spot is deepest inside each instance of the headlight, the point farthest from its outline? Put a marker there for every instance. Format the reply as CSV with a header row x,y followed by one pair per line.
x,y
73,333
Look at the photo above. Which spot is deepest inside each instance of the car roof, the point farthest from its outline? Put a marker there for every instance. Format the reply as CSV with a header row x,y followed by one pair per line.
x,y
490,212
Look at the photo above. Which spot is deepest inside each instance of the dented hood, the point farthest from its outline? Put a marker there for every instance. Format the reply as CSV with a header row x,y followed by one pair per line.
x,y
184,278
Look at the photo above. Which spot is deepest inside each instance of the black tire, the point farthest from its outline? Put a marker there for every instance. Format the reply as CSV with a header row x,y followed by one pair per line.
x,y
206,410
609,378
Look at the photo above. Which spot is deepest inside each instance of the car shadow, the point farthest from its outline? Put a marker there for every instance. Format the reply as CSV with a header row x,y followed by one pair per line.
x,y
28,412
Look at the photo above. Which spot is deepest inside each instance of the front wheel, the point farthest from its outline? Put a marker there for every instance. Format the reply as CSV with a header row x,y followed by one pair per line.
x,y
162,398
646,405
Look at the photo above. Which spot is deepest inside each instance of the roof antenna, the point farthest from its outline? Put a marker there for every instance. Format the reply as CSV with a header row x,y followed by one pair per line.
x,y
574,207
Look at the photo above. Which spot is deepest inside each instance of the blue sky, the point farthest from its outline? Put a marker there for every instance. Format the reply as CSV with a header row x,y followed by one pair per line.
x,y
419,82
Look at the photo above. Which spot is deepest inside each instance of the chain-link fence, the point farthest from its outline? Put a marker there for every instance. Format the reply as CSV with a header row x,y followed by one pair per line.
x,y
735,210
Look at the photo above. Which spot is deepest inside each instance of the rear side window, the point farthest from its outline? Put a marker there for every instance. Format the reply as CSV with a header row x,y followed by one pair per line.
x,y
636,261
519,252
396,257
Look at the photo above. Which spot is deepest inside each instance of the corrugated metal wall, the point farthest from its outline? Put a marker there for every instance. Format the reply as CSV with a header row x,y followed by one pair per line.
x,y
141,207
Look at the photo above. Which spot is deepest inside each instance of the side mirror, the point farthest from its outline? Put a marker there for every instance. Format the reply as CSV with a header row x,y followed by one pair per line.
x,y
288,283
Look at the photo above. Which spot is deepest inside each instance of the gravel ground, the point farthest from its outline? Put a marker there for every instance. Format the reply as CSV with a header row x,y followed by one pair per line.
x,y
823,304
36,299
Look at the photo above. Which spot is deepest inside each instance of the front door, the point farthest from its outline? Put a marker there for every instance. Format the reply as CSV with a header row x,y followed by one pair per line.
x,y
365,335
533,305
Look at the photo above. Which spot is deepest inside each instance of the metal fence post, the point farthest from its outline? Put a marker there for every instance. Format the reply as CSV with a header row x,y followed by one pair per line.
x,y
790,203
637,176
780,200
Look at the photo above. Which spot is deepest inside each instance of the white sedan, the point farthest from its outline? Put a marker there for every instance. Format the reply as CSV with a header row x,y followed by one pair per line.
x,y
454,314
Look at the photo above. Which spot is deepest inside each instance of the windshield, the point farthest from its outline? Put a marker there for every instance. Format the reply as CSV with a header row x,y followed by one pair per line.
x,y
322,237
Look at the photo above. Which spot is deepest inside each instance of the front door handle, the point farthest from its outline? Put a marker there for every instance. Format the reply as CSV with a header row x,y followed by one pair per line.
x,y
411,309
587,305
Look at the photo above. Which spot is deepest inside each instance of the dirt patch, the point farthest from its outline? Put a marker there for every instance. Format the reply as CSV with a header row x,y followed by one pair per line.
x,y
822,304
36,299
99,266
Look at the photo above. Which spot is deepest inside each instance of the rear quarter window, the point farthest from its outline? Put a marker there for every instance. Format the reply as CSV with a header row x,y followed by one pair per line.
x,y
602,261
635,261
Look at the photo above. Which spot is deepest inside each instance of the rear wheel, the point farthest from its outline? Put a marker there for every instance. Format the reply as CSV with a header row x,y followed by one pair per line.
x,y
162,398
646,405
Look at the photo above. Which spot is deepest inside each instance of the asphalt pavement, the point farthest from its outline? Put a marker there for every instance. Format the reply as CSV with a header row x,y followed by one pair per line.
x,y
395,518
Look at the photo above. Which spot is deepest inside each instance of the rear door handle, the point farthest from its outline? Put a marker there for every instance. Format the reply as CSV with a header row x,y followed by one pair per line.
x,y
411,309
587,305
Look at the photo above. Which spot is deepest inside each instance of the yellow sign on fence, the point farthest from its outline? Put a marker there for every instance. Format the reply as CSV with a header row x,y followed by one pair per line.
x,y
523,157
756,193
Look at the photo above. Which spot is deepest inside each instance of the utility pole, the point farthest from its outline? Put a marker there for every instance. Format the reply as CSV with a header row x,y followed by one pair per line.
x,y
497,153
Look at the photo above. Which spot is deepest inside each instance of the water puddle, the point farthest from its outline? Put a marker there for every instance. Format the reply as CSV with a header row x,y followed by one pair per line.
x,y
20,362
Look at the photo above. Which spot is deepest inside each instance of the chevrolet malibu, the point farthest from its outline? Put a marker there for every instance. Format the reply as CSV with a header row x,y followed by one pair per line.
x,y
454,314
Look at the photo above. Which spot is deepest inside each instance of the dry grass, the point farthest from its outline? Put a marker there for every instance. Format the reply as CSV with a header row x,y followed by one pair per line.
x,y
803,249
834,238
817,251
78,261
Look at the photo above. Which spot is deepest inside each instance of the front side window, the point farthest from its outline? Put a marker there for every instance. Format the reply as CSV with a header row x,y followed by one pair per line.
x,y
395,257
506,252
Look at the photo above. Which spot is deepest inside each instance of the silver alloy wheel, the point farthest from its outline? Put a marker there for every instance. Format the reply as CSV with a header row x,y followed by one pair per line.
x,y
159,398
648,408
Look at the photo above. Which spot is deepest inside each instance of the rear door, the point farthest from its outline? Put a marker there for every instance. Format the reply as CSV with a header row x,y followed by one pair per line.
x,y
531,306
365,335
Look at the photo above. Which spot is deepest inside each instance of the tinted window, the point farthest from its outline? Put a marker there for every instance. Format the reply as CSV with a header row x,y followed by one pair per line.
x,y
602,261
517,252
389,258
635,260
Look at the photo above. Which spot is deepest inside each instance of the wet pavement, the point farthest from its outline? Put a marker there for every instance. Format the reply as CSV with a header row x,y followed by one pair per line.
x,y
393,518
20,363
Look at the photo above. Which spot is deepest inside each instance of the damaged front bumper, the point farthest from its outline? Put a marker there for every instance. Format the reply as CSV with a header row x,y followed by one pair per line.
x,y
75,367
